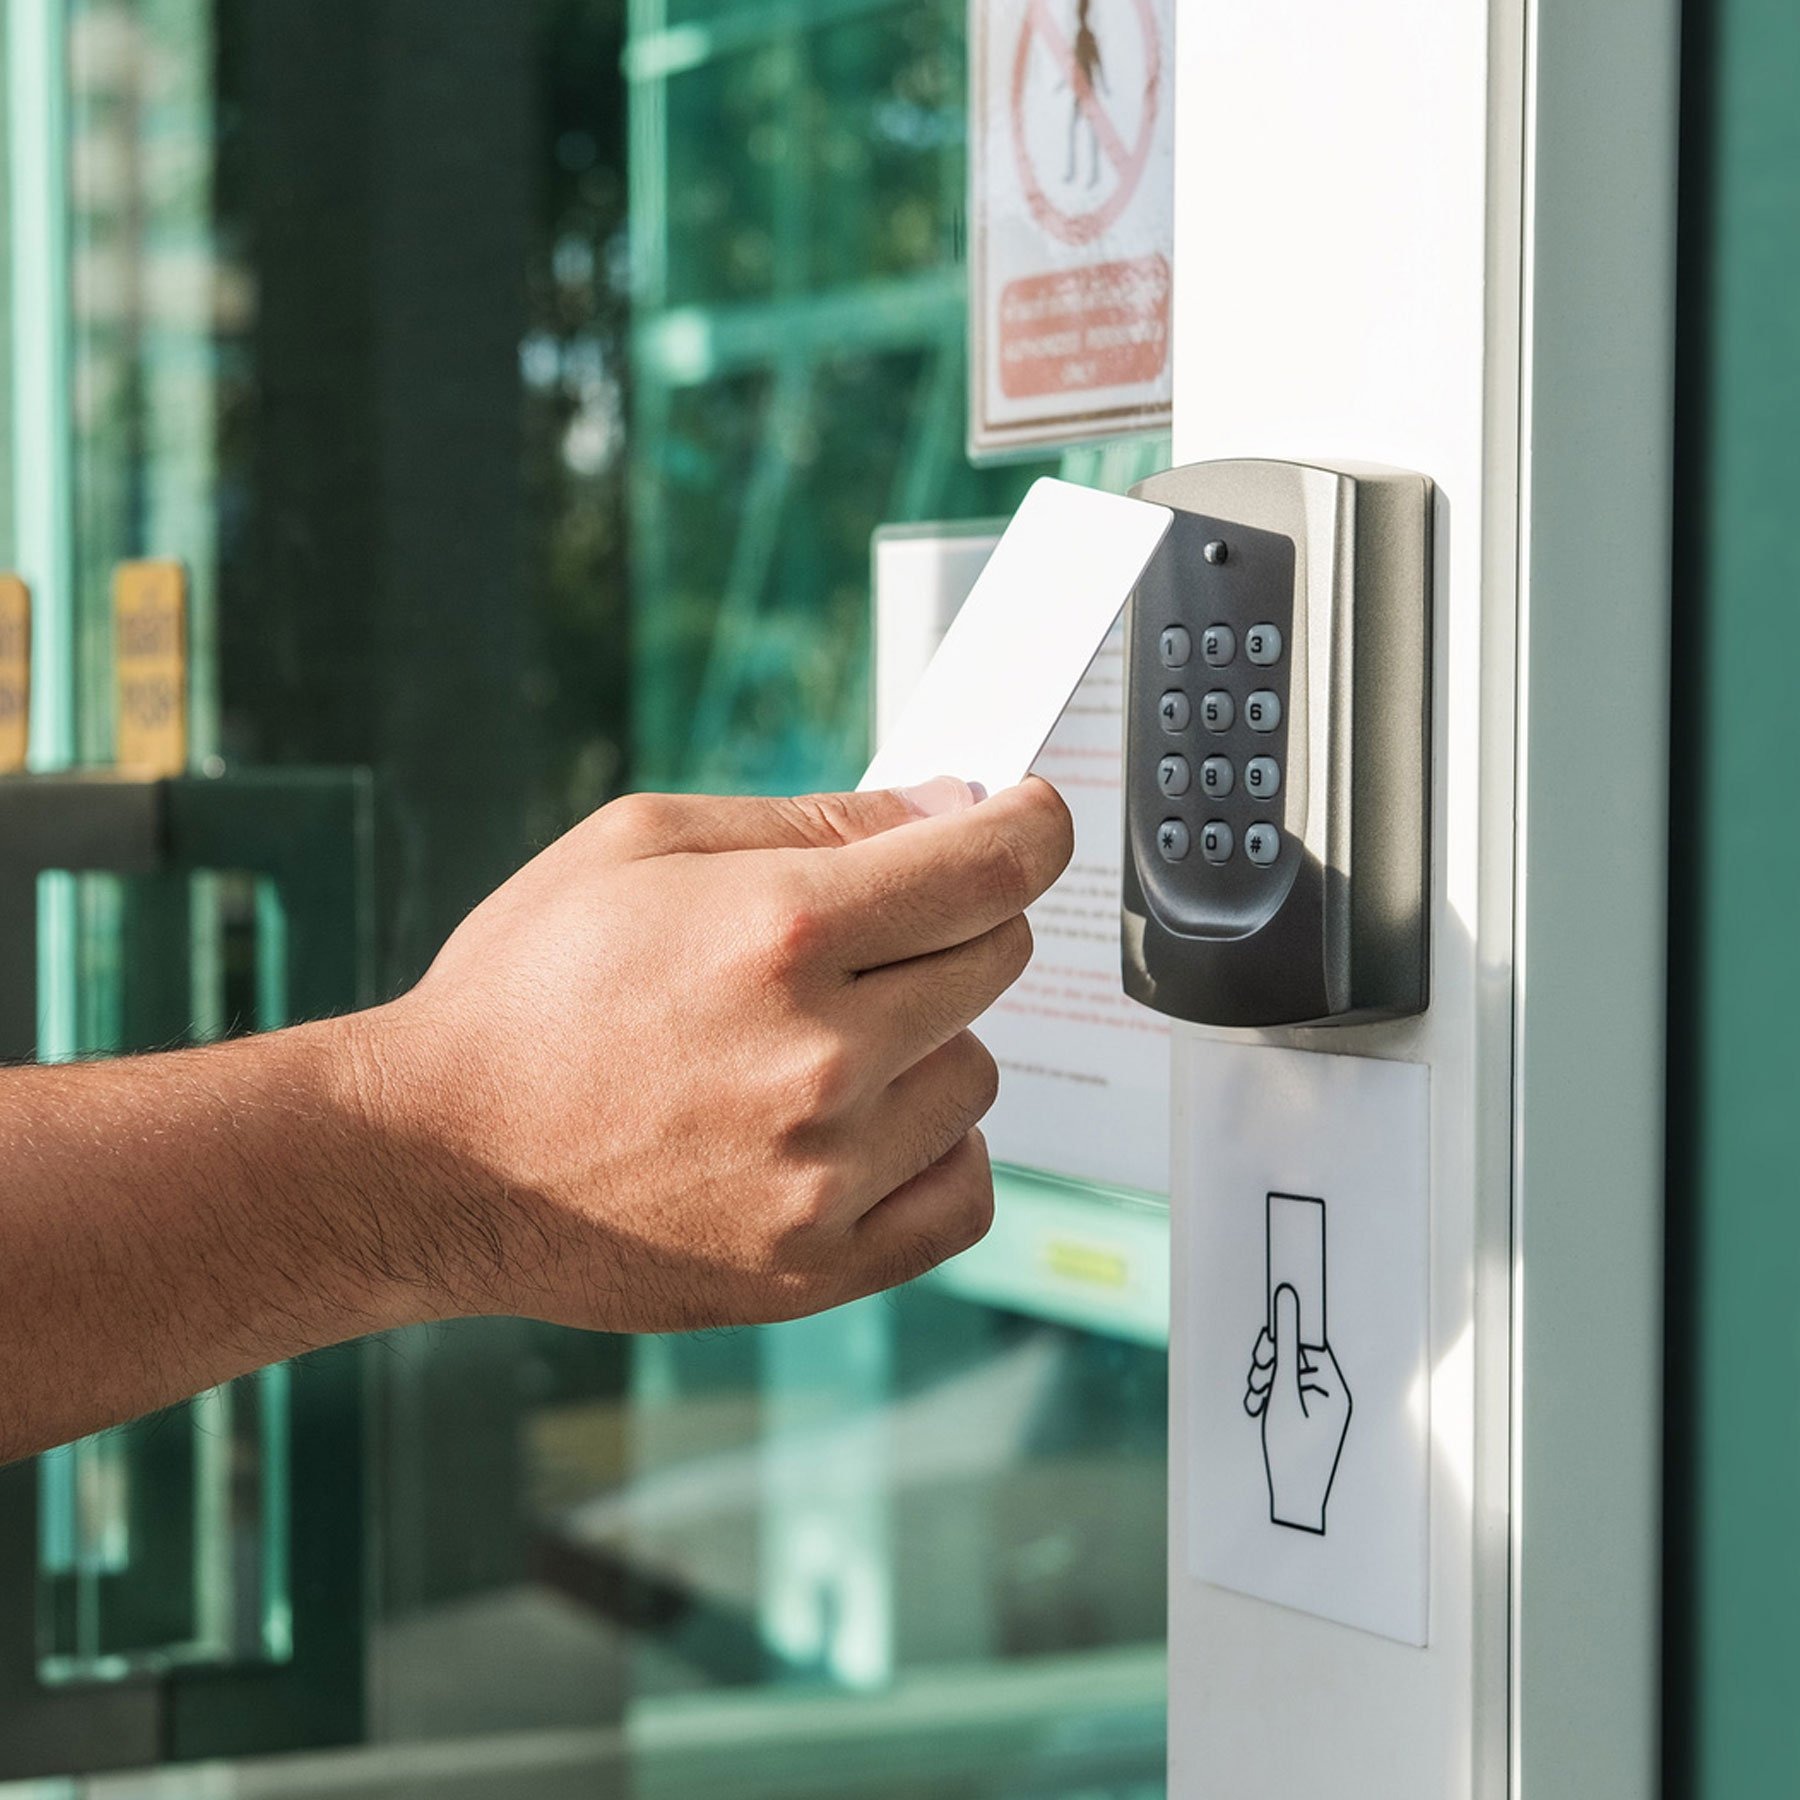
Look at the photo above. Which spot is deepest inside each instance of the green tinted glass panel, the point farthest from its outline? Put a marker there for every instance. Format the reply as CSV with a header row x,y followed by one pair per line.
x,y
523,385
162,1543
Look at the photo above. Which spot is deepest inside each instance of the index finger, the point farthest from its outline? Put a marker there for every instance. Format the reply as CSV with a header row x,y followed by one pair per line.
x,y
687,824
946,880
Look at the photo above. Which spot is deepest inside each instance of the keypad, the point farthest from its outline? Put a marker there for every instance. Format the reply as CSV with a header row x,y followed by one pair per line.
x,y
1216,660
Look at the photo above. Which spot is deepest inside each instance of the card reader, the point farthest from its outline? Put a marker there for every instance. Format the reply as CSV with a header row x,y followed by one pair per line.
x,y
1277,747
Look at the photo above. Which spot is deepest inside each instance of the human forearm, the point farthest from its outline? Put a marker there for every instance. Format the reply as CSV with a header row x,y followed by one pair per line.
x,y
167,1222
701,1062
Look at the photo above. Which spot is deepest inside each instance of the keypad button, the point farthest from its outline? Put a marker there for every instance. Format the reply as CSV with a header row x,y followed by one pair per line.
x,y
1262,711
1173,710
1262,777
1217,776
1262,644
1217,710
1218,644
1173,776
1176,646
1172,840
1216,841
1262,844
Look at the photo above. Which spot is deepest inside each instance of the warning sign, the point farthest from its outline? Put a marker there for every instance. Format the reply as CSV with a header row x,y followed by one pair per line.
x,y
1071,204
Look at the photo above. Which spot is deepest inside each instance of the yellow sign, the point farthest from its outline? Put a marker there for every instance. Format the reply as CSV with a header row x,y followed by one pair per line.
x,y
15,673
1089,1264
150,666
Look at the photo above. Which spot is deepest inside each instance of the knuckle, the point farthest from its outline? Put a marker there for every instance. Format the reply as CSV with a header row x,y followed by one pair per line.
x,y
642,819
816,1190
962,1226
794,932
1013,946
1051,822
976,1218
1014,879
821,1084
980,1086
824,819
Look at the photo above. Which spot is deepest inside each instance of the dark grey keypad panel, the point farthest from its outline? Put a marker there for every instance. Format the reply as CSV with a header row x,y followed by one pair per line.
x,y
1207,758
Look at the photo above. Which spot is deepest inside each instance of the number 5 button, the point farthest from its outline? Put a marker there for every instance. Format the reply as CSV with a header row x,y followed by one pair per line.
x,y
1263,710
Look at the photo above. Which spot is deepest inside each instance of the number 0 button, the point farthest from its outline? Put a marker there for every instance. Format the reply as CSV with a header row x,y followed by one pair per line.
x,y
1263,710
1215,841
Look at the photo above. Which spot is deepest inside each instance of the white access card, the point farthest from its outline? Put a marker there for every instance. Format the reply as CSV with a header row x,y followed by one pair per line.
x,y
1023,639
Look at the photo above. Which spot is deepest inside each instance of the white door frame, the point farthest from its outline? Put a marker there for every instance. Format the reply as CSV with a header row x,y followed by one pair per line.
x,y
1441,235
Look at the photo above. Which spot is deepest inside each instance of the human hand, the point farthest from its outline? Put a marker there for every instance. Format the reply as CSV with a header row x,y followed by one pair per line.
x,y
705,1061
1304,1403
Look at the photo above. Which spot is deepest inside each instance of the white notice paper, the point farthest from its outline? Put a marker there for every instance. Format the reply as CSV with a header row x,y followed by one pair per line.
x,y
1084,1069
1304,1185
1057,580
1084,1089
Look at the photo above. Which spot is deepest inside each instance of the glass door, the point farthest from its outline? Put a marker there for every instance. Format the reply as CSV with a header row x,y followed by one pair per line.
x,y
521,387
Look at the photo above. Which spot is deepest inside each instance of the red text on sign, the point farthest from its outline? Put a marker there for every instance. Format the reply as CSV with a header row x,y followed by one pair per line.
x,y
1107,326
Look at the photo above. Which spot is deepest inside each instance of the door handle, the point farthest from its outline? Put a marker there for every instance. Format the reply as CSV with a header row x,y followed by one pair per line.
x,y
105,1661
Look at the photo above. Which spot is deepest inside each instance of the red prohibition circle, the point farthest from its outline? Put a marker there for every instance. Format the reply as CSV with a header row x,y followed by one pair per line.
x,y
1083,228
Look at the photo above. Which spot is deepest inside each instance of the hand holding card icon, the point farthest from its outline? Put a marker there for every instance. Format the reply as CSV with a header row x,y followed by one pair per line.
x,y
1295,1385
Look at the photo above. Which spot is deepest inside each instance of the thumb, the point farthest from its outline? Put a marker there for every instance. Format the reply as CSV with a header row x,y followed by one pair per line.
x,y
674,824
1287,1340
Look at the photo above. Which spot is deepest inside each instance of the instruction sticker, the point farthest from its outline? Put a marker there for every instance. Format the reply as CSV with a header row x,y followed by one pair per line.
x,y
1304,1181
